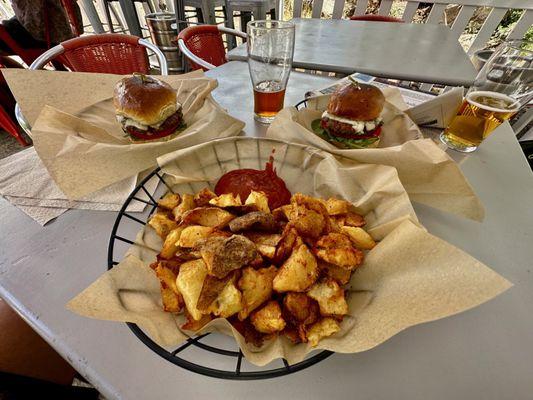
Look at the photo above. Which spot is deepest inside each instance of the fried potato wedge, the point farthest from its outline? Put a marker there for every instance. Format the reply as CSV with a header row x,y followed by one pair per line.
x,y
170,246
228,302
340,274
298,272
268,319
337,207
203,197
189,283
288,241
226,200
307,222
259,199
337,249
322,329
169,201
359,237
223,255
193,325
172,300
265,242
354,219
191,236
254,221
330,297
212,217
167,276
256,287
162,224
187,204
301,309
211,289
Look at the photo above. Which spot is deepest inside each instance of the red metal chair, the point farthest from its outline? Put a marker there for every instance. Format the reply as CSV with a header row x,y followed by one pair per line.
x,y
108,53
373,17
7,103
203,45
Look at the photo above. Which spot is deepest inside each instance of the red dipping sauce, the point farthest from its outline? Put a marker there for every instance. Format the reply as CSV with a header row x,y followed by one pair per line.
x,y
242,181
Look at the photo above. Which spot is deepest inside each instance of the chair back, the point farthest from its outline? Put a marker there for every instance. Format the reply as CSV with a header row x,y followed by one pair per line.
x,y
373,17
107,53
205,42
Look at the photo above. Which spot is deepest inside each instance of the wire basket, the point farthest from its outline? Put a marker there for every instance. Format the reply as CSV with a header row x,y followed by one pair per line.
x,y
221,350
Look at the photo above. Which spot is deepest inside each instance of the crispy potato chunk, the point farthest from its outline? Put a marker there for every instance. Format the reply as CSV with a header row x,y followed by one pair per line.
x,y
359,237
189,283
170,246
223,255
302,309
256,287
172,301
193,325
169,201
254,221
323,328
228,302
307,222
192,235
187,204
162,224
167,276
337,207
298,272
265,242
337,249
268,319
202,198
211,289
212,217
226,200
340,274
354,219
289,240
330,297
259,199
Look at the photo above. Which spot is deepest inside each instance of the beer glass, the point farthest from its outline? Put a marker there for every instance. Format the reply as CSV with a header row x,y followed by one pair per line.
x,y
501,88
270,49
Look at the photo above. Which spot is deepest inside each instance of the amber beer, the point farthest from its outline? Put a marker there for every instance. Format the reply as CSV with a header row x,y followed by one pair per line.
x,y
268,99
480,113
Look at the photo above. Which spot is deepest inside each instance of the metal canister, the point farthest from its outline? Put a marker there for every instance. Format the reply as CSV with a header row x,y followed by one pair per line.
x,y
162,33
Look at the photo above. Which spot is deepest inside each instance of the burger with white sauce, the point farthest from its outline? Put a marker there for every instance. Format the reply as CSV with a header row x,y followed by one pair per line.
x,y
353,117
147,108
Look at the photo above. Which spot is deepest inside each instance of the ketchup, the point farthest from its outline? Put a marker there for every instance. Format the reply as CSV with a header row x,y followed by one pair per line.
x,y
242,181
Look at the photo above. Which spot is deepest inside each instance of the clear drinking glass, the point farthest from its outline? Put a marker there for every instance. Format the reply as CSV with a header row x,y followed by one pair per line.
x,y
501,88
270,49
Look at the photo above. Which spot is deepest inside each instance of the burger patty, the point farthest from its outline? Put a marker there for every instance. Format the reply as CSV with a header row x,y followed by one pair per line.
x,y
168,127
346,130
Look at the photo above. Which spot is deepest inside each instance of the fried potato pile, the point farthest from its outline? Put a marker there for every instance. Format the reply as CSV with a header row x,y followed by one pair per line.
x,y
270,272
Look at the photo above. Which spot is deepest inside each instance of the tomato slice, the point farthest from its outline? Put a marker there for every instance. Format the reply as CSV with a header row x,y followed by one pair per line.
x,y
139,134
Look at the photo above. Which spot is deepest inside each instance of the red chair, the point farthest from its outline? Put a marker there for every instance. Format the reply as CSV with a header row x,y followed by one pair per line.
x,y
28,55
373,17
110,53
7,103
203,45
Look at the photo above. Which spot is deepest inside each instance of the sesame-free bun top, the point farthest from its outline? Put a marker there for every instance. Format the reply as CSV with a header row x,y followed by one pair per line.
x,y
144,99
356,101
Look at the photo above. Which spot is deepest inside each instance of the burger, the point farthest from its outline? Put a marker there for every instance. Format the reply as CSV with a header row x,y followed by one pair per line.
x,y
352,119
147,108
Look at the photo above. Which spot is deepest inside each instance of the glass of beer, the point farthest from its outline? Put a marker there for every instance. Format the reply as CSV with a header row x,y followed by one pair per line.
x,y
501,88
270,49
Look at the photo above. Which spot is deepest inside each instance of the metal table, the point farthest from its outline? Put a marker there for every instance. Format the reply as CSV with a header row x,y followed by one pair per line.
x,y
483,354
414,52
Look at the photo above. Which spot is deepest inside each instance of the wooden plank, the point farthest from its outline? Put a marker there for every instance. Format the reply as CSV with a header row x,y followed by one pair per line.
x,y
360,9
521,27
338,9
460,22
384,7
488,28
436,13
317,8
520,4
297,10
410,10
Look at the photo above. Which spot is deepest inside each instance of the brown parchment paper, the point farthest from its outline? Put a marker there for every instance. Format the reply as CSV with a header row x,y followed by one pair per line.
x,y
81,144
410,277
428,174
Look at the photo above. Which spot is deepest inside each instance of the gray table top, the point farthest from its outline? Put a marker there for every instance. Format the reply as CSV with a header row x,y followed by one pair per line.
x,y
484,353
414,52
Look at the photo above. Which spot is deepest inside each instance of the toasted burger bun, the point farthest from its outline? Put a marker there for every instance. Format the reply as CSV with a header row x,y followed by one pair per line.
x,y
357,101
144,99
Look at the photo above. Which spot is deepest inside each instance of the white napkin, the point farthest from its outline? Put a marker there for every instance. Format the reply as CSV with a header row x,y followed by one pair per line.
x,y
25,182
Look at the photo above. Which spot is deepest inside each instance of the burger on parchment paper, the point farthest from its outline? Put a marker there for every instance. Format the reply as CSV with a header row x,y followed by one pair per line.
x,y
353,117
147,108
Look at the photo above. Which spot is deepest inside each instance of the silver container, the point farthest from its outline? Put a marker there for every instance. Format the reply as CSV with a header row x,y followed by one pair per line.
x,y
480,57
162,28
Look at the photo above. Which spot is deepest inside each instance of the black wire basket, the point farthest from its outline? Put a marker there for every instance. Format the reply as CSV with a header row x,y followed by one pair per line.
x,y
128,226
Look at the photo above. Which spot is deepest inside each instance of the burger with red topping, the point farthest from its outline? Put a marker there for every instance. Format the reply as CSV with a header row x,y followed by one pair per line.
x,y
147,108
353,117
